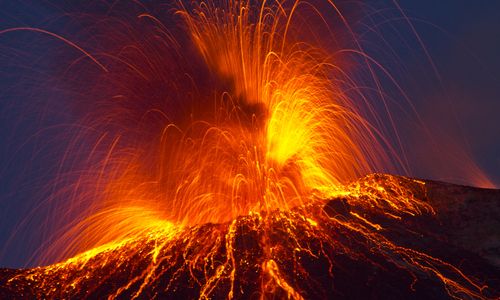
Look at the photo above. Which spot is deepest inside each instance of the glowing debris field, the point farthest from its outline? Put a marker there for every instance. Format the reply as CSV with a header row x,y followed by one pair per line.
x,y
350,247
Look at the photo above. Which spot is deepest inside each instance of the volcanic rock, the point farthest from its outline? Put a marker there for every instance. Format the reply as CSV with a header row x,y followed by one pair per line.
x,y
346,247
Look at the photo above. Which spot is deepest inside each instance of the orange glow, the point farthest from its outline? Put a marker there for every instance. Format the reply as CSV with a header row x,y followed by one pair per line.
x,y
281,134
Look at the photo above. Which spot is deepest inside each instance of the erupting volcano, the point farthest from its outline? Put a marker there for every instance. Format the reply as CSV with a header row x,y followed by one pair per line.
x,y
234,155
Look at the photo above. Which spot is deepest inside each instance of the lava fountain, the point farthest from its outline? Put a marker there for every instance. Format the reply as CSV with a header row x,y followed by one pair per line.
x,y
254,134
275,132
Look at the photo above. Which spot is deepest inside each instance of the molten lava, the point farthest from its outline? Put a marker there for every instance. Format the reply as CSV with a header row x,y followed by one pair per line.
x,y
364,244
250,188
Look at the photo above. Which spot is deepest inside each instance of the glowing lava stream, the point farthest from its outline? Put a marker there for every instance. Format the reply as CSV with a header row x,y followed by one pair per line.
x,y
268,254
282,138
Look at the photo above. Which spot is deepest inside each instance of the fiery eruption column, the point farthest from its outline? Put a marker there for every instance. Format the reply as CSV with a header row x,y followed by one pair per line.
x,y
277,133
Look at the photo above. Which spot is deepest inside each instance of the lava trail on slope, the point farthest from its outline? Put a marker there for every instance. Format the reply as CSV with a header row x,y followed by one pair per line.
x,y
350,247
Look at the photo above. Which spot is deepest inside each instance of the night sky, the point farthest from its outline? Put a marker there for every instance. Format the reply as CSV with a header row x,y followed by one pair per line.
x,y
459,104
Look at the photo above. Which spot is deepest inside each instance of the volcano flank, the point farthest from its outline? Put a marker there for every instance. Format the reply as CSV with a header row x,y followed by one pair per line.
x,y
338,249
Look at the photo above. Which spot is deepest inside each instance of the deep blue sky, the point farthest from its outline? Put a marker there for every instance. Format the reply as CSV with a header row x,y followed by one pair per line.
x,y
463,39
463,106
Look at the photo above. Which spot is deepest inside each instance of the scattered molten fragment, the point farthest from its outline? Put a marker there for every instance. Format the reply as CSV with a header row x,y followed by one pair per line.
x,y
270,129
